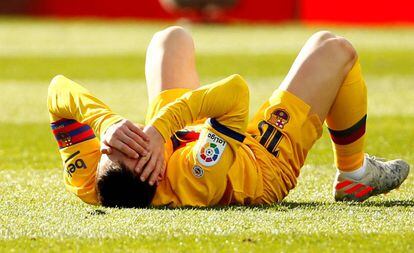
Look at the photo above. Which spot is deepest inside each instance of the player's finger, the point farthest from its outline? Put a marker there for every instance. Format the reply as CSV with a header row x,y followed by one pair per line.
x,y
132,144
149,167
140,144
162,173
156,172
137,130
141,163
105,149
125,149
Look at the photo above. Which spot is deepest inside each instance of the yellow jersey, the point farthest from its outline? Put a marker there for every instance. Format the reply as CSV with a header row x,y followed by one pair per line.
x,y
217,168
218,164
77,117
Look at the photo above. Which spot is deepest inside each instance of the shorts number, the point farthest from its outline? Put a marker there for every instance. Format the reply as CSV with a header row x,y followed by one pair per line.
x,y
270,138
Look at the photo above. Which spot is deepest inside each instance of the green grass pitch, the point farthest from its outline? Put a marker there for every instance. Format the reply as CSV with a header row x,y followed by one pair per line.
x,y
37,214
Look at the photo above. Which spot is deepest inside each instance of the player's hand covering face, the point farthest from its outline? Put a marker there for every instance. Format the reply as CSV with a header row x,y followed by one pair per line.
x,y
129,144
152,166
117,157
127,138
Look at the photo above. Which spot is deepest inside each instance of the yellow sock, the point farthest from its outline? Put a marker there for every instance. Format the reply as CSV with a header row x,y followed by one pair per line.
x,y
346,121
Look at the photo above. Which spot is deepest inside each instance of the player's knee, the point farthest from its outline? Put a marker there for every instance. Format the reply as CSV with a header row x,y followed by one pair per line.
x,y
322,36
341,48
347,48
174,36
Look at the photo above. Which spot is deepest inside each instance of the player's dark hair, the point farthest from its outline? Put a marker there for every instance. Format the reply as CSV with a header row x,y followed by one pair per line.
x,y
118,186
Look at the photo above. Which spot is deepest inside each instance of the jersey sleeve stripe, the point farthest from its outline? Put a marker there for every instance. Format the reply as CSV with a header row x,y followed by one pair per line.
x,y
225,130
66,142
83,136
67,128
70,132
183,137
63,123
80,130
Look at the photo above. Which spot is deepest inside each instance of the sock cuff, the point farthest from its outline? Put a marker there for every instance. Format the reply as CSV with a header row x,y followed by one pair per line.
x,y
358,173
350,163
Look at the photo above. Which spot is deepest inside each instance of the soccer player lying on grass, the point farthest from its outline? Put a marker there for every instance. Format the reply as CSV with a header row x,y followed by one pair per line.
x,y
178,161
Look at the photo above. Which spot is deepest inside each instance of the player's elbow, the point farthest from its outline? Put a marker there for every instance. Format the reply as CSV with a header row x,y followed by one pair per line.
x,y
240,88
57,79
55,83
241,100
53,90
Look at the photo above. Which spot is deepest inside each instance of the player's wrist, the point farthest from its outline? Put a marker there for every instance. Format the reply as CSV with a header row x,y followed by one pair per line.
x,y
106,127
154,134
161,129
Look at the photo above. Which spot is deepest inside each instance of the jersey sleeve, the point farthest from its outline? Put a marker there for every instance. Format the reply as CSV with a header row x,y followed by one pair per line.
x,y
76,118
198,172
224,102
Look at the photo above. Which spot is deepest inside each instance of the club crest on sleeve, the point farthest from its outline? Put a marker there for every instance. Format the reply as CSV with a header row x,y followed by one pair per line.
x,y
69,132
64,139
211,150
279,118
198,171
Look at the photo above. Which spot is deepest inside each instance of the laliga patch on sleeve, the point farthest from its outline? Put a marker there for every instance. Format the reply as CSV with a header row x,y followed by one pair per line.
x,y
211,150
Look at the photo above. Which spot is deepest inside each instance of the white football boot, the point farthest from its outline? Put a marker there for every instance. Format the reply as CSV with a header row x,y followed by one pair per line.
x,y
380,177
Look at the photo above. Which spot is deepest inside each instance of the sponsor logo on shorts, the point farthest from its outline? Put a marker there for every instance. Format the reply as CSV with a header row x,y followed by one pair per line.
x,y
279,118
210,152
198,171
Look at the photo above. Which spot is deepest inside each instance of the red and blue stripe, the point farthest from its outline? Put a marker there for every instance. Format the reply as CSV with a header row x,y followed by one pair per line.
x,y
69,132
350,135
183,137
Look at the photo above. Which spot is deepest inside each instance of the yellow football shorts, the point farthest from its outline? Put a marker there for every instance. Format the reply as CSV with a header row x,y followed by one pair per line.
x,y
285,132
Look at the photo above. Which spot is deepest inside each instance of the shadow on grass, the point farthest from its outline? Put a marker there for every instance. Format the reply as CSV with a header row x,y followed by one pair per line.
x,y
280,207
387,203
390,203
